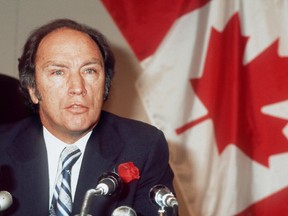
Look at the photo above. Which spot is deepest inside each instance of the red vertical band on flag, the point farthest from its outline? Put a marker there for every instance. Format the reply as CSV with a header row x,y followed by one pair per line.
x,y
145,23
275,204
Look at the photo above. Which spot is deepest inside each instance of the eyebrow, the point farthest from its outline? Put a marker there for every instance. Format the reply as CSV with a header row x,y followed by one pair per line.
x,y
53,64
93,61
63,65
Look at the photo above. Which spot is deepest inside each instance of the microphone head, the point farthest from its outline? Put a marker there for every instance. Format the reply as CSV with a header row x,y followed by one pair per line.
x,y
124,211
110,182
5,200
162,196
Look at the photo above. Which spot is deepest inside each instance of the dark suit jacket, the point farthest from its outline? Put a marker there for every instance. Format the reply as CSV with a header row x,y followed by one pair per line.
x,y
115,140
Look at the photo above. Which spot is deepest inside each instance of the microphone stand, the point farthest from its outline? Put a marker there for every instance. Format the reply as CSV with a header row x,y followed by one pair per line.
x,y
109,183
86,202
162,212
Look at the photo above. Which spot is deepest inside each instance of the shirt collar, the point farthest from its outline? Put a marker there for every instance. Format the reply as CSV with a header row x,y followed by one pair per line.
x,y
57,145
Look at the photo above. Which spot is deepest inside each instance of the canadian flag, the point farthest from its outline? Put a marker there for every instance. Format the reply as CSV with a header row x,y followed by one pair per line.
x,y
215,80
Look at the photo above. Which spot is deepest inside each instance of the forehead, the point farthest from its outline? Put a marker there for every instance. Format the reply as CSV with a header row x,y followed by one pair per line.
x,y
66,40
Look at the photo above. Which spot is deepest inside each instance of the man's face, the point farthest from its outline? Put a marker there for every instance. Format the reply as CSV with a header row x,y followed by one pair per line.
x,y
70,79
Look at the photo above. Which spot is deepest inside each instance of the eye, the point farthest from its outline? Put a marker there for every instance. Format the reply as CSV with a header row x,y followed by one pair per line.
x,y
58,72
90,71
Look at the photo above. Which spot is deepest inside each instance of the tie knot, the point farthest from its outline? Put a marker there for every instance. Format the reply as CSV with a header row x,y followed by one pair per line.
x,y
69,156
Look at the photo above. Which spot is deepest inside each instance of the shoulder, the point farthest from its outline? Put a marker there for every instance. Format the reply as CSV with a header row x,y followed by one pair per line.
x,y
114,119
9,132
133,136
128,126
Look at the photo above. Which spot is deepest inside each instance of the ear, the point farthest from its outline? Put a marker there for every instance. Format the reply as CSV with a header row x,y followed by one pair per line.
x,y
33,95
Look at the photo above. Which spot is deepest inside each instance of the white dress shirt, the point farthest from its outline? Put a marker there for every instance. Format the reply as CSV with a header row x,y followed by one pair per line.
x,y
54,148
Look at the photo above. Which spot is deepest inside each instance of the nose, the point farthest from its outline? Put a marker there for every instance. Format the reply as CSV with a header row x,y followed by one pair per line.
x,y
76,85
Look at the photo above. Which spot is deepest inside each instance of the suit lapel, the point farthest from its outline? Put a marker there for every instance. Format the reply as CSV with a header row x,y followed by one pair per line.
x,y
101,154
29,153
102,150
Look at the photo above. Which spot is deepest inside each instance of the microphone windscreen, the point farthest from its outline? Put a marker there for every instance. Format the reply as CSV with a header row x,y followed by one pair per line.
x,y
5,200
124,211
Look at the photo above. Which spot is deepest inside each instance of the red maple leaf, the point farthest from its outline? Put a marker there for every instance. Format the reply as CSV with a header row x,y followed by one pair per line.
x,y
234,94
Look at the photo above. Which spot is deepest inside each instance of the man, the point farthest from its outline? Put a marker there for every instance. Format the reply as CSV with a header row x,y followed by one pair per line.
x,y
65,73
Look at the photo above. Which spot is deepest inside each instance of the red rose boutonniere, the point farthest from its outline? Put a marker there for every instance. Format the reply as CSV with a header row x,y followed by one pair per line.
x,y
128,172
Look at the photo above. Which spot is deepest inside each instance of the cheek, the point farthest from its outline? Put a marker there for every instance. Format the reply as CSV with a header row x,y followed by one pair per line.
x,y
97,93
97,86
50,86
51,95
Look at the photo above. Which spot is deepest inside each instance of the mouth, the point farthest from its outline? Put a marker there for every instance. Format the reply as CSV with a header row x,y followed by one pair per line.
x,y
77,108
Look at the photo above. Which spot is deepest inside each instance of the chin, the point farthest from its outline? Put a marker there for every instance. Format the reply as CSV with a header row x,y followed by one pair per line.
x,y
81,126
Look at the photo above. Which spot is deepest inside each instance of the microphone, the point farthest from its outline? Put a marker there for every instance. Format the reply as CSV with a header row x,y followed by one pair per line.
x,y
162,196
5,200
124,211
109,183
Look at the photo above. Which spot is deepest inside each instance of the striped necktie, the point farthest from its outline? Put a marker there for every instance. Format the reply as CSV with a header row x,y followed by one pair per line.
x,y
62,199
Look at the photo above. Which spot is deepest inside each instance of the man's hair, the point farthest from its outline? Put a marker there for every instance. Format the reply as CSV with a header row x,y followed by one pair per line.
x,y
26,65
